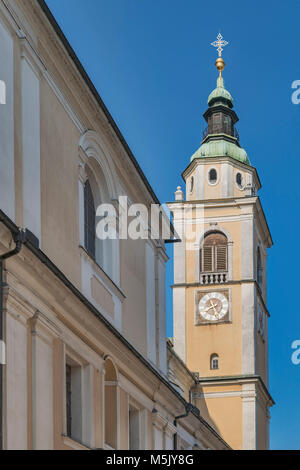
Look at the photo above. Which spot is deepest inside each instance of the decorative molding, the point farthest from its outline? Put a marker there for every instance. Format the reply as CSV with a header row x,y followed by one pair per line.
x,y
64,102
103,277
136,393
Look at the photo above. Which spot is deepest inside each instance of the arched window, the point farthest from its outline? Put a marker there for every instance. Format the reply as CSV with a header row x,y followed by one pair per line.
x,y
111,399
214,253
213,176
89,220
95,194
103,181
191,184
214,362
239,180
259,268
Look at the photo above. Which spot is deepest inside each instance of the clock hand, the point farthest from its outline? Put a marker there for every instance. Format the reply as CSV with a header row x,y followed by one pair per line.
x,y
208,308
215,311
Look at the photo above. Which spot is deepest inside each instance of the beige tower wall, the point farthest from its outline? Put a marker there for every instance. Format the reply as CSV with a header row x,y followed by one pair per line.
x,y
233,398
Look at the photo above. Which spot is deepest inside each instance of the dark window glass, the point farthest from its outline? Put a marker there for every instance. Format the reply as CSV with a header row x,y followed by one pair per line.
x,y
213,176
239,180
89,220
259,268
227,125
217,123
192,184
214,362
69,399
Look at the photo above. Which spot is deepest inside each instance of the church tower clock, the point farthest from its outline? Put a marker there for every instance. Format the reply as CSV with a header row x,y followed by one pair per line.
x,y
220,283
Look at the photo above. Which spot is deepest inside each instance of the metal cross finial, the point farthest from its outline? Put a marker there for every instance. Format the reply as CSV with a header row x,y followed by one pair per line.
x,y
219,43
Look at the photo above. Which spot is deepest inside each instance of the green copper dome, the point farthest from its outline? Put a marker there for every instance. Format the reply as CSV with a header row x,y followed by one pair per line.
x,y
221,148
220,137
220,94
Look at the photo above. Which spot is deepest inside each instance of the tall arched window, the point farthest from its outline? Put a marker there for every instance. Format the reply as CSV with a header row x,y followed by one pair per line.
x,y
96,193
214,362
89,220
259,269
214,253
104,185
111,399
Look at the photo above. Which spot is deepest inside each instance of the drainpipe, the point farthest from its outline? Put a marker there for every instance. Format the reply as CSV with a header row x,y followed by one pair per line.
x,y
18,239
188,408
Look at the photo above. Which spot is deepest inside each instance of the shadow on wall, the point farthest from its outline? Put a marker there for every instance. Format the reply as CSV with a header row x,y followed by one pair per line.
x,y
201,404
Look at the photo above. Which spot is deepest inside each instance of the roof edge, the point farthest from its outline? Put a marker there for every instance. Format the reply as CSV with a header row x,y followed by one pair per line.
x,y
96,95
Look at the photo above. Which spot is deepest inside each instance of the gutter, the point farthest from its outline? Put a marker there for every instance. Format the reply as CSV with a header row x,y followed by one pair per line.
x,y
18,239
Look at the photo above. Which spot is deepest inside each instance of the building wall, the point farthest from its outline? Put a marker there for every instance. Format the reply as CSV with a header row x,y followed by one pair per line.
x,y
53,135
48,114
59,185
226,413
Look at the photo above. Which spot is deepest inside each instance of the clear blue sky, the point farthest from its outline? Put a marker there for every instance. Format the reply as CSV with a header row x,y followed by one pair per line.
x,y
153,66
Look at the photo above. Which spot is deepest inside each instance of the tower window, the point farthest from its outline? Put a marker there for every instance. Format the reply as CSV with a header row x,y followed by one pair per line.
x,y
214,362
191,184
214,253
259,268
212,176
239,180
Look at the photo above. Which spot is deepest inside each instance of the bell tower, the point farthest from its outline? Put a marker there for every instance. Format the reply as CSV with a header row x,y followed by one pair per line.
x,y
220,279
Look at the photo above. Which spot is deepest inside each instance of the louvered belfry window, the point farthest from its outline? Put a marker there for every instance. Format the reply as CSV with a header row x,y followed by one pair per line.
x,y
214,253
89,220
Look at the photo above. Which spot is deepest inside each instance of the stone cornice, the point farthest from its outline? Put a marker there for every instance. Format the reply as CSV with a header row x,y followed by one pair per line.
x,y
249,205
236,163
240,379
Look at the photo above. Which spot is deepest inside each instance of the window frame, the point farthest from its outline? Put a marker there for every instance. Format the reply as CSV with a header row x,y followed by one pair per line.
x,y
215,248
214,182
135,409
259,269
71,362
214,357
241,186
192,184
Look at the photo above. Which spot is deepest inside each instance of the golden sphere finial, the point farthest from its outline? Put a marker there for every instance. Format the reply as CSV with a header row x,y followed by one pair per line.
x,y
220,64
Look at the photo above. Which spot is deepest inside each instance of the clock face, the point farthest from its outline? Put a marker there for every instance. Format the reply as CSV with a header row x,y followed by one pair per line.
x,y
213,306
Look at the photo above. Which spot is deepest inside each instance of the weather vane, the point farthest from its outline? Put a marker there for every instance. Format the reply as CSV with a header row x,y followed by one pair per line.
x,y
219,44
